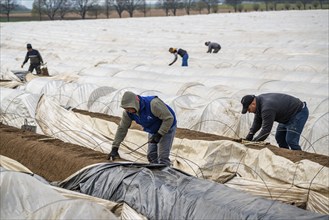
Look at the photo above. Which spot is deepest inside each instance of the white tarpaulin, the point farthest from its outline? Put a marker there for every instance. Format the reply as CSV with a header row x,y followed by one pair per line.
x,y
23,196
261,52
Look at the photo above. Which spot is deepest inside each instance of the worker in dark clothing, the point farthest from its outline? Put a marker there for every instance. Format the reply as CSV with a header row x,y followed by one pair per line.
x,y
181,53
156,118
212,47
290,112
35,59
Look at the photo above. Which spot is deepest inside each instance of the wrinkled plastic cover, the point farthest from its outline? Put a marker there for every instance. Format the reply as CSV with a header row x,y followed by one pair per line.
x,y
24,197
12,170
160,192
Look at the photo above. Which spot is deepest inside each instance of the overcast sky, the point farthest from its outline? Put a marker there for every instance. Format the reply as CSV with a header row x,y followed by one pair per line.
x,y
26,3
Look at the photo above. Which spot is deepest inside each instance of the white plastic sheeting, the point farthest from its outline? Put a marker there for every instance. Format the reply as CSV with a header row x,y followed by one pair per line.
x,y
261,52
23,196
64,125
18,108
218,160
271,40
214,110
222,160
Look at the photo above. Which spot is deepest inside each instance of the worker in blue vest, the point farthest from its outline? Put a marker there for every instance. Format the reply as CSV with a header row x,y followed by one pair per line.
x,y
156,118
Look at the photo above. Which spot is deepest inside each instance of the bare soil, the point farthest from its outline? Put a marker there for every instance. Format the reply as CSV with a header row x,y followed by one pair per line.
x,y
55,160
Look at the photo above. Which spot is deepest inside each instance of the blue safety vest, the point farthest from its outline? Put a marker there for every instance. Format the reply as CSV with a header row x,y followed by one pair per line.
x,y
146,119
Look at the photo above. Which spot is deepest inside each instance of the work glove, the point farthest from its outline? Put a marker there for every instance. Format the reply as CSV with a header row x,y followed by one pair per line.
x,y
22,65
250,137
114,154
155,138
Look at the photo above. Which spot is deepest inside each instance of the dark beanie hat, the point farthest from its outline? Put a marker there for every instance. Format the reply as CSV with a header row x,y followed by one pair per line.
x,y
28,46
246,101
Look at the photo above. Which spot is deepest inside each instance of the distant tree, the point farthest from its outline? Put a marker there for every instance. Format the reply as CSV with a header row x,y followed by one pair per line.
x,y
211,5
170,6
164,5
94,10
119,6
287,5
199,6
7,6
51,7
207,3
187,4
275,5
174,5
234,3
132,5
299,5
240,7
144,8
107,7
65,8
255,7
315,4
304,2
267,4
82,6
214,8
37,8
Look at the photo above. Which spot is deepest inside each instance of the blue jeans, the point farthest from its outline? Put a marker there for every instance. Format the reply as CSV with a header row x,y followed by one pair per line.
x,y
288,135
184,60
159,153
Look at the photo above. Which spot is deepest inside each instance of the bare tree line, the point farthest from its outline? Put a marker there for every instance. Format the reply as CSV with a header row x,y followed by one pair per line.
x,y
58,9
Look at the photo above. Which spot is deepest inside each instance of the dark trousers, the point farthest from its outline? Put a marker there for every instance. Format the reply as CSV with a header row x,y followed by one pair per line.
x,y
35,66
217,49
288,135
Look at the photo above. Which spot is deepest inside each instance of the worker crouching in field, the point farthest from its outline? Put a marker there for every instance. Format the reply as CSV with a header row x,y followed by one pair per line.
x,y
290,112
213,47
156,118
180,52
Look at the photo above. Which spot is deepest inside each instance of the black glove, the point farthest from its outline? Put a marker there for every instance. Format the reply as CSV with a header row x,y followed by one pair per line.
x,y
249,137
114,154
155,138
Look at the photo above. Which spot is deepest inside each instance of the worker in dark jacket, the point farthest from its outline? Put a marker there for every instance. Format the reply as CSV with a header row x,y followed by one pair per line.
x,y
35,59
290,112
181,53
156,118
212,47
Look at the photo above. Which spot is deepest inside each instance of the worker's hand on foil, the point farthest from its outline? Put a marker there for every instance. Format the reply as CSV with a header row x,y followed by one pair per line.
x,y
22,65
114,154
155,138
250,137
